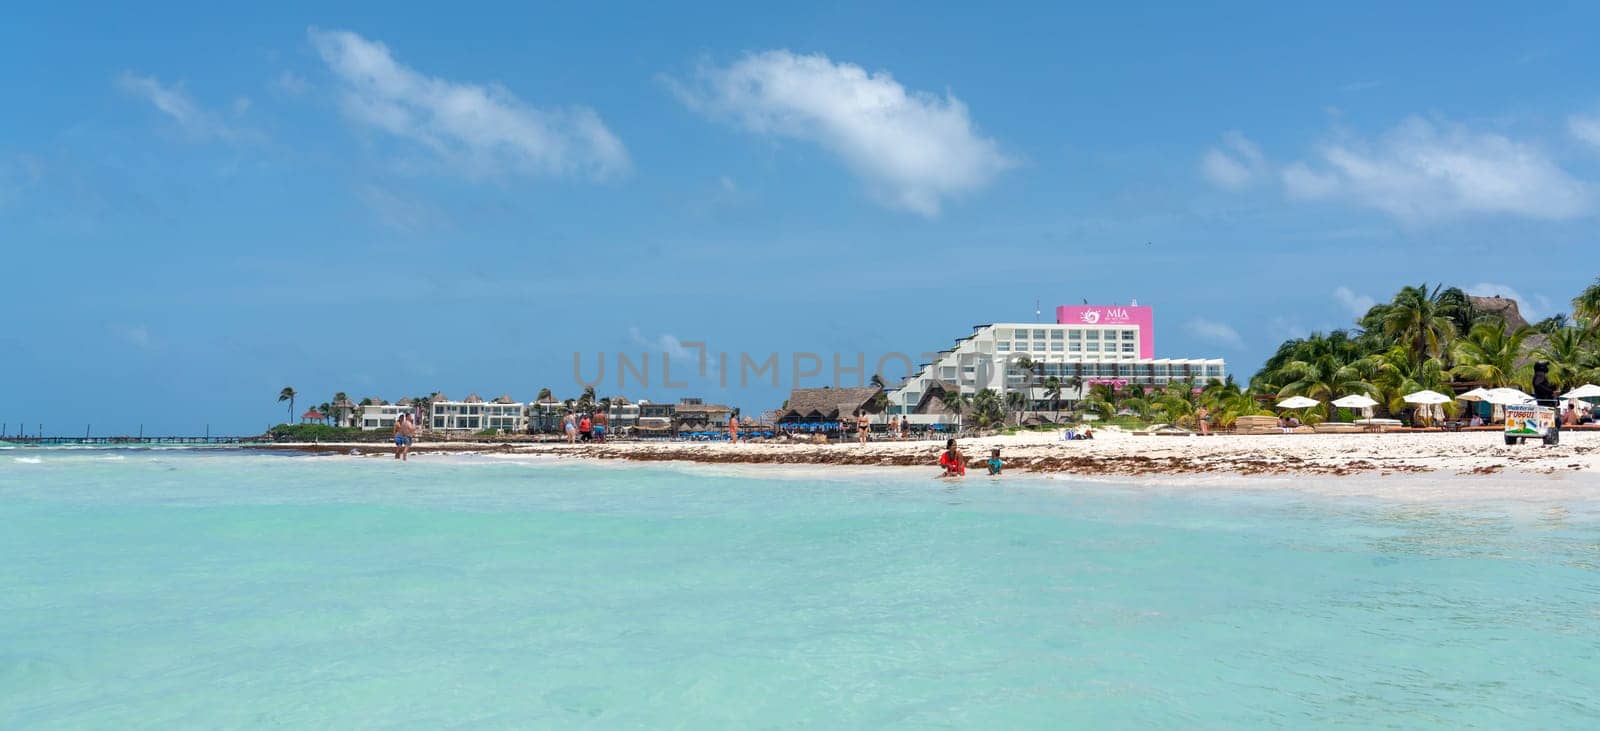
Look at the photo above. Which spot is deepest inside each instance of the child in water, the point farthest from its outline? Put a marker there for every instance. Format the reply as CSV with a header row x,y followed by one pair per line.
x,y
995,464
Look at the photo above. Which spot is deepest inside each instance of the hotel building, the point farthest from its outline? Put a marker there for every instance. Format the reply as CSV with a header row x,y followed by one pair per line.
x,y
1095,344
381,415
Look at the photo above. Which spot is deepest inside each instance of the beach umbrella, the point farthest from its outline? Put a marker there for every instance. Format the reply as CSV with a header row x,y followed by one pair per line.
x,y
1355,401
1476,394
1298,402
1430,399
1427,398
1585,391
1506,396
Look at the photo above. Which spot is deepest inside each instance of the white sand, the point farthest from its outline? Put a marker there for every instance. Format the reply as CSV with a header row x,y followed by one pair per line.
x,y
1119,453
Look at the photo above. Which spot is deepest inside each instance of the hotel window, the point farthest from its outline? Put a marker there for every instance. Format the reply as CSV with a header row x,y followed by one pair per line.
x,y
1094,335
1038,334
1057,334
1002,347
947,372
1055,346
1002,333
1074,334
1075,346
1094,347
1130,334
1127,347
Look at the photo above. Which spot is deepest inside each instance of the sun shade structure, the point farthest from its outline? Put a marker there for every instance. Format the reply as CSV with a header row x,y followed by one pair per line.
x,y
1506,396
1585,391
1355,401
1476,394
1298,402
1427,398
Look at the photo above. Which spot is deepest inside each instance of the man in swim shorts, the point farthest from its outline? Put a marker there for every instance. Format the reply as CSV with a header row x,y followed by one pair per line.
x,y
403,431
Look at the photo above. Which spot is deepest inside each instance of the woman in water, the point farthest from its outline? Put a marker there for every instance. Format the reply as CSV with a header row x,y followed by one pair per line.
x,y
952,461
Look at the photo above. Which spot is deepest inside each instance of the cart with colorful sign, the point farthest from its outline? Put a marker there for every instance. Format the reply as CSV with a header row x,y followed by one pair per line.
x,y
1531,421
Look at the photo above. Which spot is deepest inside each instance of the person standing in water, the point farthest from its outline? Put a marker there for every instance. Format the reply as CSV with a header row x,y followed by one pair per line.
x,y
995,463
403,431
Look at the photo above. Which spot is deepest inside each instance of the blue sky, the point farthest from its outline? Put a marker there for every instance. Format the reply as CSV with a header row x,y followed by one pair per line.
x,y
199,206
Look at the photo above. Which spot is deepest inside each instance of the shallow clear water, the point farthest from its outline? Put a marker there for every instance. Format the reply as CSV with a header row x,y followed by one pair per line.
x,y
169,588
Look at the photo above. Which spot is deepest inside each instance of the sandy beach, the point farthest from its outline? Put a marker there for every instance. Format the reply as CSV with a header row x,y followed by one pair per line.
x,y
1111,453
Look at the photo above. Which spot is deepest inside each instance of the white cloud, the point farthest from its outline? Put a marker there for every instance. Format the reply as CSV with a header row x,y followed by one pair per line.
x,y
174,102
136,335
1586,129
669,344
1533,308
915,149
1421,172
479,129
1236,164
1357,304
1213,332
291,83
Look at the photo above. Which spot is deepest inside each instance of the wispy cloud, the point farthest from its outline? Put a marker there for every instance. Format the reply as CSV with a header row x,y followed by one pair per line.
x,y
665,343
1586,129
1421,172
914,149
1214,332
1356,304
399,212
136,335
478,129
291,83
173,101
1236,164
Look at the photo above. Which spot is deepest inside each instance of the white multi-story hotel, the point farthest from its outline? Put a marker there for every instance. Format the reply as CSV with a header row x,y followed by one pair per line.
x,y
1090,344
474,414
381,415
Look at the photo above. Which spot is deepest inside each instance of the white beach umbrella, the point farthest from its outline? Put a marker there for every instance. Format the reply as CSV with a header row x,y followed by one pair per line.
x,y
1476,394
1506,396
1298,402
1585,391
1427,398
1355,401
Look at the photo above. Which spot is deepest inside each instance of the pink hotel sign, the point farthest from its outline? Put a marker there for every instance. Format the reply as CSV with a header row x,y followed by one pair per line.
x,y
1140,318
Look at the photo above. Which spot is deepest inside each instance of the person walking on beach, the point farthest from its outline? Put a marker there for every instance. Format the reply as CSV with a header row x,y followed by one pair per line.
x,y
1203,418
863,427
599,427
403,433
952,461
570,426
733,428
585,428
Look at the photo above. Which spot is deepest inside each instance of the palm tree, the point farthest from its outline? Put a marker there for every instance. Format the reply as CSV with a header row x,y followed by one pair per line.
x,y
1490,355
1420,321
876,381
1326,378
955,402
544,393
1017,401
1586,307
288,394
1570,354
1396,374
1052,391
324,408
987,407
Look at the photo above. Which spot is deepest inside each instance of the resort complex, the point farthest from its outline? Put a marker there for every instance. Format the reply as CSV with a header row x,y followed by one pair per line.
x,y
1049,365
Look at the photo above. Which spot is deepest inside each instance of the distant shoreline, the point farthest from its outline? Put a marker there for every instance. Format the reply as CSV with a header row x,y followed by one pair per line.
x,y
1113,454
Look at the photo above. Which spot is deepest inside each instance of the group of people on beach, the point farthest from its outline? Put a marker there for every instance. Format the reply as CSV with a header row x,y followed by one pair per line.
x,y
585,427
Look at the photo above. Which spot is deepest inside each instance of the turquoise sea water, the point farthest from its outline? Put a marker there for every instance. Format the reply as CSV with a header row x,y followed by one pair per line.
x,y
198,590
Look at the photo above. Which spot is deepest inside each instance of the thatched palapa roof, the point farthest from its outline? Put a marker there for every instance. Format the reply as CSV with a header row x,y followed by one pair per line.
x,y
1505,307
505,399
829,403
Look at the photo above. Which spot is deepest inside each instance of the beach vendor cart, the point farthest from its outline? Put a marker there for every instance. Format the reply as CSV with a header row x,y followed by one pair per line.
x,y
1527,418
